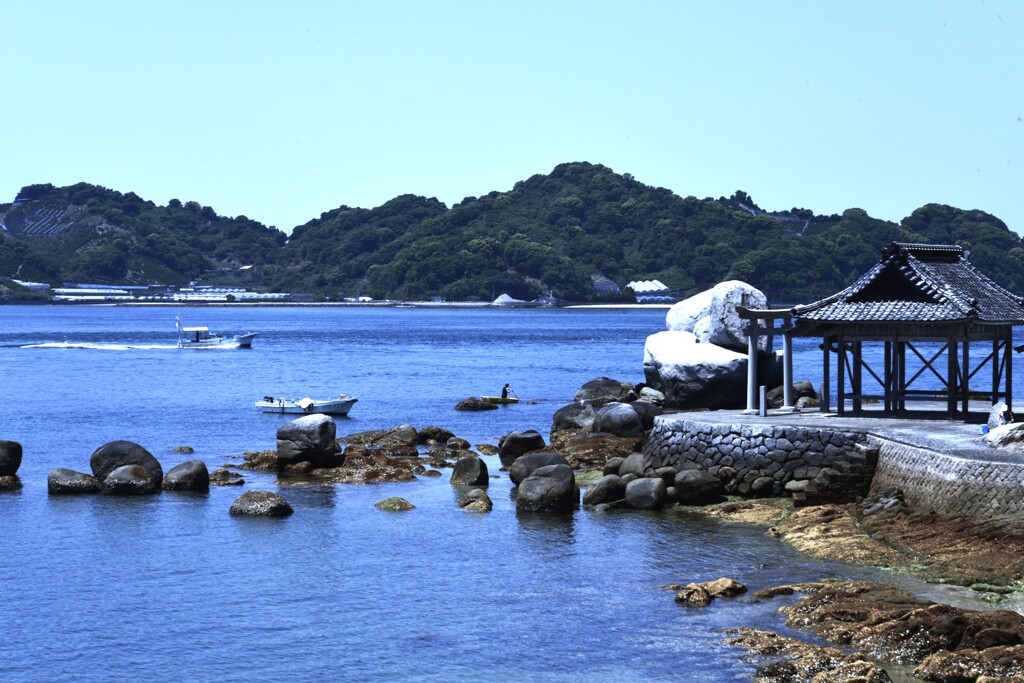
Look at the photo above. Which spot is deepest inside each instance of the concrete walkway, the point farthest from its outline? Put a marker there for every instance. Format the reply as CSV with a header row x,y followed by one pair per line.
x,y
952,437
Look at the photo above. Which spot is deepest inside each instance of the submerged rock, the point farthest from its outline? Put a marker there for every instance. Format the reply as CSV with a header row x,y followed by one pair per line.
x,y
63,481
394,504
9,483
474,404
476,500
226,478
261,504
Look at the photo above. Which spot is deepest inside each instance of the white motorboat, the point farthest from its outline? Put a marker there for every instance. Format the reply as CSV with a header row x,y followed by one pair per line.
x,y
307,406
203,338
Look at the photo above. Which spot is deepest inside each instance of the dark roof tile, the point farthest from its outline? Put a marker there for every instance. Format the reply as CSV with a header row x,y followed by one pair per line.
x,y
930,283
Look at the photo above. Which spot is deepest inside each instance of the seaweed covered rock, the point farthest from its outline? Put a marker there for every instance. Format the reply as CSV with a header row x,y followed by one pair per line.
x,y
476,500
63,481
258,503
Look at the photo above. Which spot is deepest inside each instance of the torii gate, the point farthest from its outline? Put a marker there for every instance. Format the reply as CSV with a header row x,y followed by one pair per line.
x,y
762,322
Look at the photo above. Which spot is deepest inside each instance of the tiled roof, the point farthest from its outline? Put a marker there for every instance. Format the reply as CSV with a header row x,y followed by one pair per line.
x,y
919,283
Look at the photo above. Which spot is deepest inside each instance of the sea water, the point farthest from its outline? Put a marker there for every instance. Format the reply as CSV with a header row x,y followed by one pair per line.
x,y
170,587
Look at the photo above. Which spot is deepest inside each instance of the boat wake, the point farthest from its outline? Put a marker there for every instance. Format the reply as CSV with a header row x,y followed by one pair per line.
x,y
102,347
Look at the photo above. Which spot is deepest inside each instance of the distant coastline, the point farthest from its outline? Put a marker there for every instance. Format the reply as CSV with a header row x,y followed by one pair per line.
x,y
332,304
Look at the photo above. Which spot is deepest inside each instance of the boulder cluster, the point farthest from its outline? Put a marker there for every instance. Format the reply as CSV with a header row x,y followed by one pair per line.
x,y
124,468
700,360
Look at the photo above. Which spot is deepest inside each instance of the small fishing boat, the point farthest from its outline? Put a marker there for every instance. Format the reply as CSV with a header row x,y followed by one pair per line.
x,y
203,338
307,406
499,400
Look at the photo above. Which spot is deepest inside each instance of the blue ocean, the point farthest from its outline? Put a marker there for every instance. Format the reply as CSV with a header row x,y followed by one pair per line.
x,y
170,587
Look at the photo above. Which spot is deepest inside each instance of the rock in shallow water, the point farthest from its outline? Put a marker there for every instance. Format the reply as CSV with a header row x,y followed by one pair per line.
x,y
130,480
548,489
115,454
10,458
608,489
261,504
476,500
188,476
9,483
63,481
474,404
470,471
394,504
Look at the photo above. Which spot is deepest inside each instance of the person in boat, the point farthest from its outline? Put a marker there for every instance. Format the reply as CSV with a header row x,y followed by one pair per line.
x,y
504,391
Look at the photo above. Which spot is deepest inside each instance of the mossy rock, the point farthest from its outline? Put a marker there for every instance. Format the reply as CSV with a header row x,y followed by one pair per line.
x,y
394,504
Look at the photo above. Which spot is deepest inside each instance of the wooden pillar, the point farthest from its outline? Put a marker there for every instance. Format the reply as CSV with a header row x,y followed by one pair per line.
x,y
825,372
1008,355
887,377
966,373
856,382
951,376
996,367
841,376
901,376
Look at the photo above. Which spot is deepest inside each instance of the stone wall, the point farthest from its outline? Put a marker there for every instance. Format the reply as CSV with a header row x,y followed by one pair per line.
x,y
813,464
950,485
819,464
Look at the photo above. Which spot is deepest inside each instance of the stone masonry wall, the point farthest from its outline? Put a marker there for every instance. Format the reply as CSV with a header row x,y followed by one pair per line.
x,y
814,464
947,484
822,465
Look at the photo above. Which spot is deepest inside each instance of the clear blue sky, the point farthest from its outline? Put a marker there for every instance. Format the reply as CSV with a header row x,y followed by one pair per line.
x,y
283,110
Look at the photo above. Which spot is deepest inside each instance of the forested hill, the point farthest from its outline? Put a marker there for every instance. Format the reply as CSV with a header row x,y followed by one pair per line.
x,y
551,234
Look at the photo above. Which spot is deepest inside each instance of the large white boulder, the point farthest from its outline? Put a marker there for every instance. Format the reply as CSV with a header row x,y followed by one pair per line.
x,y
711,315
696,375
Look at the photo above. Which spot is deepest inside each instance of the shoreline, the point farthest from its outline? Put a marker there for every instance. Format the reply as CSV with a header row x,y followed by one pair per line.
x,y
459,305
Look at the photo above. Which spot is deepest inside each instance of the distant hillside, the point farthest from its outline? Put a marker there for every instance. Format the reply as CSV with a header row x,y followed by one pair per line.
x,y
87,233
551,234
